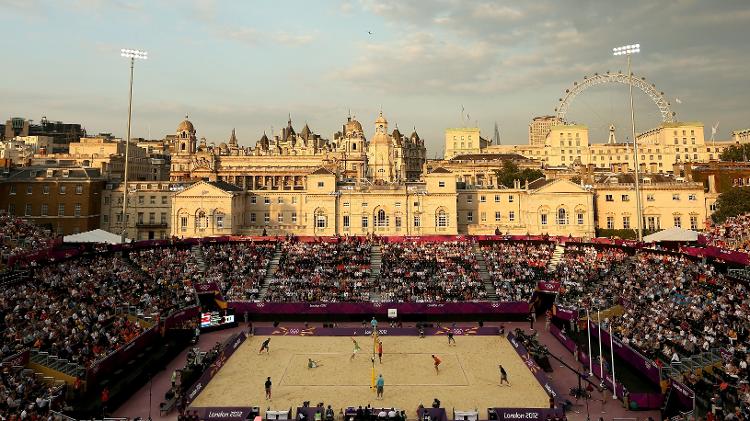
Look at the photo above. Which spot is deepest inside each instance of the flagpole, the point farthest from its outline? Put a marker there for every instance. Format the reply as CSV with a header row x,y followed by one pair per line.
x,y
612,351
601,357
588,331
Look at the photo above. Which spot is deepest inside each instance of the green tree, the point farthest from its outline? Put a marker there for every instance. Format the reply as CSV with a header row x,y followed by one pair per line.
x,y
510,172
733,202
736,153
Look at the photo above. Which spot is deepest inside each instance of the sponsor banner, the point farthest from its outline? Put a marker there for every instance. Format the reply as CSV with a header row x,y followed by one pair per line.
x,y
122,356
548,286
206,287
21,358
386,331
381,309
177,318
567,342
684,394
718,253
526,413
229,413
564,313
532,366
230,346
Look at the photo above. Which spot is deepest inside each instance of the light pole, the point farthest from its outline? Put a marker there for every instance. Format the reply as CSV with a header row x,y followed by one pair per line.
x,y
628,50
132,55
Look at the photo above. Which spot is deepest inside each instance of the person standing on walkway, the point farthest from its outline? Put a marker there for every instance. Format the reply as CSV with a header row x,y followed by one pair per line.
x,y
268,388
379,384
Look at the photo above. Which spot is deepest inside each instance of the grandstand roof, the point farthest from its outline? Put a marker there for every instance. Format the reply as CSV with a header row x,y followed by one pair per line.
x,y
94,236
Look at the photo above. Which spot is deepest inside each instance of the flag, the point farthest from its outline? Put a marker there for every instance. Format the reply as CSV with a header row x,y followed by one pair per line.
x,y
220,300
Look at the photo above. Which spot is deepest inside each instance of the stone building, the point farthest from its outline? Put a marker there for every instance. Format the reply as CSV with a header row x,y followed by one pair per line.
x,y
149,209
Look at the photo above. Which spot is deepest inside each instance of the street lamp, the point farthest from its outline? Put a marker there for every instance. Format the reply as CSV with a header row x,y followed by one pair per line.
x,y
132,55
628,50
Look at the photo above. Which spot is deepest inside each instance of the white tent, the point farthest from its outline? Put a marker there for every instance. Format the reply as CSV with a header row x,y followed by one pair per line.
x,y
672,234
95,236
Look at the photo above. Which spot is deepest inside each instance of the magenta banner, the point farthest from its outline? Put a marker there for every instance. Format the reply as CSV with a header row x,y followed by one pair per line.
x,y
684,394
717,253
384,331
533,366
552,287
19,359
229,413
120,357
525,413
381,309
564,313
634,358
231,345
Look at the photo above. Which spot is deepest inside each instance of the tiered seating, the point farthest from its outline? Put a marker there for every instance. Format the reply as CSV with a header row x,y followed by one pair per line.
x,y
238,268
515,268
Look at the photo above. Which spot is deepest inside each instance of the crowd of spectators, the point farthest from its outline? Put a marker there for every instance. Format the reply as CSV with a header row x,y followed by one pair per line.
x,y
23,396
18,236
429,272
732,234
238,268
580,271
322,272
516,267
174,269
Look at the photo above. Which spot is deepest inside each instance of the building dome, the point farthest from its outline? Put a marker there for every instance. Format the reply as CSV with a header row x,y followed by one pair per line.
x,y
381,119
186,126
353,126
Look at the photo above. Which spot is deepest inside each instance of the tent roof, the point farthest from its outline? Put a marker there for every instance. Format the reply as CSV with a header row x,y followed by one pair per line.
x,y
95,236
672,234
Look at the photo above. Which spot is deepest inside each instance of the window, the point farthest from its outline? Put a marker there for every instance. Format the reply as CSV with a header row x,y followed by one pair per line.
x,y
346,221
712,207
692,197
163,216
543,218
441,183
45,209
365,222
626,222
397,221
12,189
675,196
625,198
579,218
562,217
497,198
610,222
469,216
294,217
152,217
498,216
61,209
29,189
483,217
106,200
417,221
280,217
512,216
267,200
321,184
365,204
381,220
183,222
164,200
141,200
266,218
442,218
62,189
45,190
510,199
105,219
677,221
469,199
280,201
252,217
253,199
27,211
609,198
416,204
346,204
294,200
152,200
140,217
482,199
693,222
650,197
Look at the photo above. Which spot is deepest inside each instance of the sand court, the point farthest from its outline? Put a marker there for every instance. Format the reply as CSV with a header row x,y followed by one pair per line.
x,y
469,376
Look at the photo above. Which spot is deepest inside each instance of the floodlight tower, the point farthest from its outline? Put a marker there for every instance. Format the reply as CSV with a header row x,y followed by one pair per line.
x,y
132,55
627,51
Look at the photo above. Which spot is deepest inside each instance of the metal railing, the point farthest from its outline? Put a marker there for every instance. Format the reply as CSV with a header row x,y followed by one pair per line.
x,y
55,363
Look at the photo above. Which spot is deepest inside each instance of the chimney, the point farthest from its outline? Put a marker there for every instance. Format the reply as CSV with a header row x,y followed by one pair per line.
x,y
712,183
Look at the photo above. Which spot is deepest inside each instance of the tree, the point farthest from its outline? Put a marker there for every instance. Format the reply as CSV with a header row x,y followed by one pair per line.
x,y
510,172
733,202
736,153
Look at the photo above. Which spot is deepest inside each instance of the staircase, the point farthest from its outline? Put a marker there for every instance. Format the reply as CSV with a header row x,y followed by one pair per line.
x,y
376,262
197,251
556,256
273,265
484,274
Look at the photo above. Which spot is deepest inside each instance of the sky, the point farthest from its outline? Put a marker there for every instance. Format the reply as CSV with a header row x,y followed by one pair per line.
x,y
249,64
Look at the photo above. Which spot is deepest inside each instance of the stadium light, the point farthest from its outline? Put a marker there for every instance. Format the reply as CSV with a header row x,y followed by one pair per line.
x,y
132,55
627,51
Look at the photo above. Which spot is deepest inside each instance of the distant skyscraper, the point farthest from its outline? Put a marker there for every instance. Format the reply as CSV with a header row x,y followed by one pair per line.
x,y
540,127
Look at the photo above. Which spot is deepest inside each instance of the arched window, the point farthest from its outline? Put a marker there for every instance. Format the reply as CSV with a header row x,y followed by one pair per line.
x,y
182,146
562,217
354,146
321,221
381,219
201,220
441,218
